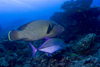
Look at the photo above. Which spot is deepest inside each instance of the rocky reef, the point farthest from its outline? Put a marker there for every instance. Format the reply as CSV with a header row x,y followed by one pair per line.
x,y
84,43
80,52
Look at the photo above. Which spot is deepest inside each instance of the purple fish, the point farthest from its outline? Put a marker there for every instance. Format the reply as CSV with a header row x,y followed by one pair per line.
x,y
49,46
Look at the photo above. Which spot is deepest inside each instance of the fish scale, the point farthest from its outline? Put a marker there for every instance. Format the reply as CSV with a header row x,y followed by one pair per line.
x,y
36,30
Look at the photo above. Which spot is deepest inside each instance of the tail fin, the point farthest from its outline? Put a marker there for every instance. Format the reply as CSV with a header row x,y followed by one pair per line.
x,y
34,50
13,35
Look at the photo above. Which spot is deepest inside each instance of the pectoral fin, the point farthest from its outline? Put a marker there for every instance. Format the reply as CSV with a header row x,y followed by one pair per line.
x,y
49,29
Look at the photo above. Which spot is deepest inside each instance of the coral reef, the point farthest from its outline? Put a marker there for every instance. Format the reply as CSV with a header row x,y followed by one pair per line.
x,y
81,35
85,42
18,54
85,19
71,5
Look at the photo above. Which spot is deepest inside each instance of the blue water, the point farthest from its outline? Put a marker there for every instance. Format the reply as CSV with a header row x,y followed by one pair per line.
x,y
10,11
27,11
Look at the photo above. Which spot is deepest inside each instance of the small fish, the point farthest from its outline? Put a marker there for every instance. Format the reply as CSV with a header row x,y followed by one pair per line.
x,y
36,30
49,46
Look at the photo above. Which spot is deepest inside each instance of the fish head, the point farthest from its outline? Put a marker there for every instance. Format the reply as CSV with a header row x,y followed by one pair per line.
x,y
58,29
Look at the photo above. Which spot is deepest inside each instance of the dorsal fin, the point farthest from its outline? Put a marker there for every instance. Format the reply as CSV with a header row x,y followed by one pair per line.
x,y
23,26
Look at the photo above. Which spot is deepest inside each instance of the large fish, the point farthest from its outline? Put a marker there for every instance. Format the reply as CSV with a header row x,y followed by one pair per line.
x,y
50,46
36,30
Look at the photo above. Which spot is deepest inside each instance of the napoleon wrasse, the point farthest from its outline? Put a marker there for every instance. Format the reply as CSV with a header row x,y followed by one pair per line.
x,y
36,30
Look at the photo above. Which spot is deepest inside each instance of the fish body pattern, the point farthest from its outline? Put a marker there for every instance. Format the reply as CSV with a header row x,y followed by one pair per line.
x,y
49,46
36,30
